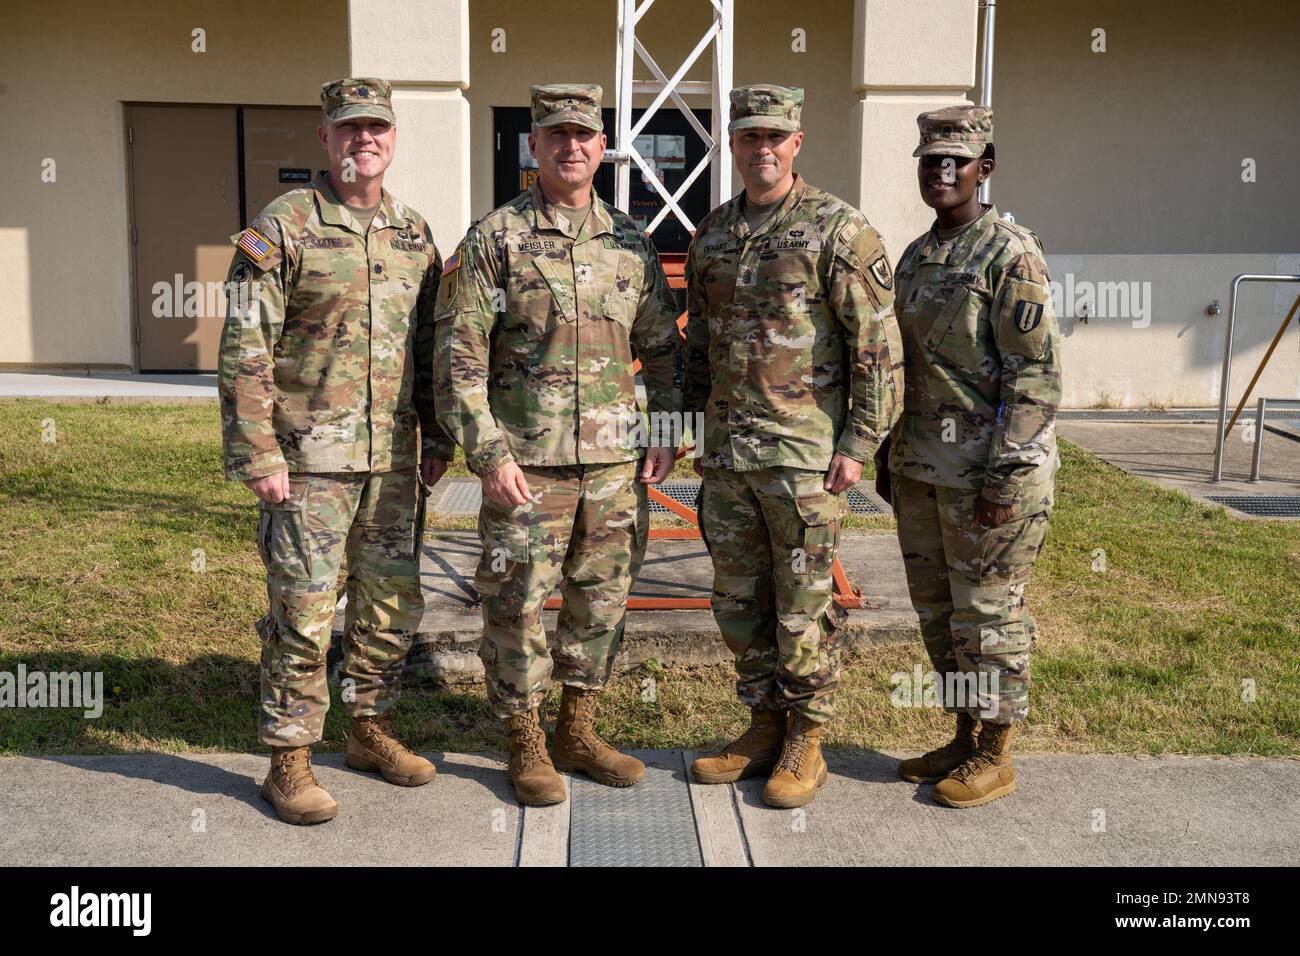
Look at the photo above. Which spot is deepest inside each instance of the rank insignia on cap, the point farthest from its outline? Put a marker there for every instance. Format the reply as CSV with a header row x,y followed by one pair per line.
x,y
880,269
1028,315
255,244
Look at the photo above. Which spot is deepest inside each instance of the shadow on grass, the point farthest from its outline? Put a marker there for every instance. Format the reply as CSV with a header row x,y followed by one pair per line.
x,y
210,703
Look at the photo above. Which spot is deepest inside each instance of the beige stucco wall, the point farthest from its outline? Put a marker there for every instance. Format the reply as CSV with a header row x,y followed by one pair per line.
x,y
910,56
67,68
1127,163
575,43
1128,166
422,48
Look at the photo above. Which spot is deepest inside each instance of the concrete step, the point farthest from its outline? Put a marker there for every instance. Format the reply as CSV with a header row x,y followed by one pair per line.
x,y
446,649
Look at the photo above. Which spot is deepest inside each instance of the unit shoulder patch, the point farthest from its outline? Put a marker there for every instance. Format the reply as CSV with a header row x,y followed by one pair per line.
x,y
880,269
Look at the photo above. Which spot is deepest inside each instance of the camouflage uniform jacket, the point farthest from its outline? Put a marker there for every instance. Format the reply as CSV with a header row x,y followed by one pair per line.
x,y
537,327
326,355
983,361
792,349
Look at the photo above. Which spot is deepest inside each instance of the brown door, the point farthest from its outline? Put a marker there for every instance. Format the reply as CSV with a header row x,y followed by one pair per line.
x,y
185,198
188,198
280,150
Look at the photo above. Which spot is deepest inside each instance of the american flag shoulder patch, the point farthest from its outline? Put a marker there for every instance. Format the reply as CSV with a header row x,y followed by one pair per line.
x,y
256,245
452,263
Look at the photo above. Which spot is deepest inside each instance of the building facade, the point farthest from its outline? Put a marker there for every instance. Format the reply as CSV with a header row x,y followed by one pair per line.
x,y
1149,146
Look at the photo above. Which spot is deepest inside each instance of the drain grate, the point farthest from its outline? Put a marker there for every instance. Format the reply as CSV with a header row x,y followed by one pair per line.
x,y
463,497
860,504
688,492
1167,415
1261,506
684,492
651,824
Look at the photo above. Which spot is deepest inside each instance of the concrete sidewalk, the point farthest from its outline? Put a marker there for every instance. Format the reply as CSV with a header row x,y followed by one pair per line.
x,y
1180,455
111,386
1070,810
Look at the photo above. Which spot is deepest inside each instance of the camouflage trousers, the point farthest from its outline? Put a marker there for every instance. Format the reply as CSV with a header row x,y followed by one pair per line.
x,y
374,520
773,535
968,588
585,530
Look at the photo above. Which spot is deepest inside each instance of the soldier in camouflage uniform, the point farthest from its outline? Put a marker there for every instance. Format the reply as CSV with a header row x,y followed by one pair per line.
x,y
326,392
794,360
542,309
972,464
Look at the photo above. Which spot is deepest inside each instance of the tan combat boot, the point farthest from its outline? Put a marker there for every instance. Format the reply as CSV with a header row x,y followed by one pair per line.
x,y
986,775
933,766
531,771
292,789
575,745
801,770
753,752
373,745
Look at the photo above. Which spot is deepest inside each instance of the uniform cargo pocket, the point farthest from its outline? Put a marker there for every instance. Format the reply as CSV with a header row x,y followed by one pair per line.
x,y
621,300
955,332
944,319
505,539
822,516
282,535
563,304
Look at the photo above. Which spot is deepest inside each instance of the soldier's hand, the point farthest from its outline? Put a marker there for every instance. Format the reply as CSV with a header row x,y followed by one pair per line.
x,y
271,488
431,469
658,463
506,486
844,472
698,465
990,514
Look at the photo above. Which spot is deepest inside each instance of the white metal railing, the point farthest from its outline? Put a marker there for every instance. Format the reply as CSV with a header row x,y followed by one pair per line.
x,y
1226,379
717,153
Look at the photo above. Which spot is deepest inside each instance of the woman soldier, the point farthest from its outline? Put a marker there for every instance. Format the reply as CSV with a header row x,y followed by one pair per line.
x,y
972,462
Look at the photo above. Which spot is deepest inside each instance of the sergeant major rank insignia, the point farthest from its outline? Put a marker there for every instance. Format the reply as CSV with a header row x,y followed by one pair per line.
x,y
1028,315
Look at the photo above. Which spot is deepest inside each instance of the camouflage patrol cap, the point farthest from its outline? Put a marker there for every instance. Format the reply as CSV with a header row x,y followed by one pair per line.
x,y
567,103
766,106
352,97
955,131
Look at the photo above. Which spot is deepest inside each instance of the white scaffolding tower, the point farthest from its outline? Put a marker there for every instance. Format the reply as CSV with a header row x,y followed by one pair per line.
x,y
717,155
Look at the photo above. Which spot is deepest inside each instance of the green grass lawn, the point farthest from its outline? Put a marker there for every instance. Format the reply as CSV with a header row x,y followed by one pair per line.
x,y
99,572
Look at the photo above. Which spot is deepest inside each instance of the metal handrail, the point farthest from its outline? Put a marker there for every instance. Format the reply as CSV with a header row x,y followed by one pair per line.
x,y
1261,410
1221,437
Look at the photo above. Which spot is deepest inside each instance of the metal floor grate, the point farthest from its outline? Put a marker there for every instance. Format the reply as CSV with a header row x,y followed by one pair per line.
x,y
650,824
1167,415
688,492
1261,506
463,497
685,492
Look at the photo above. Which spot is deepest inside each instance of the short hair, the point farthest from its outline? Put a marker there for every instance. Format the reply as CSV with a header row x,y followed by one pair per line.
x,y
988,152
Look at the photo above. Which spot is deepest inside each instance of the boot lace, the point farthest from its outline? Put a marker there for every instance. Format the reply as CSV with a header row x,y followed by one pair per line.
x,y
796,749
751,739
526,734
584,723
295,771
380,735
